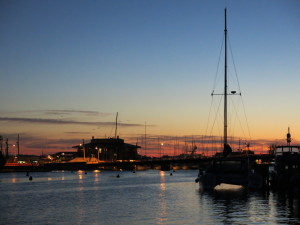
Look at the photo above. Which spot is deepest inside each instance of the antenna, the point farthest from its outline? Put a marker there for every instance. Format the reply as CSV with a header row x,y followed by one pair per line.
x,y
288,137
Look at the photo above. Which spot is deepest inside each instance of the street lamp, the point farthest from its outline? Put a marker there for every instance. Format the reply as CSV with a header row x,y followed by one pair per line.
x,y
161,145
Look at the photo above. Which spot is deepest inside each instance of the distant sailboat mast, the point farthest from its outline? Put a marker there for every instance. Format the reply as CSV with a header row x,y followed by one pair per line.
x,y
145,138
18,145
116,130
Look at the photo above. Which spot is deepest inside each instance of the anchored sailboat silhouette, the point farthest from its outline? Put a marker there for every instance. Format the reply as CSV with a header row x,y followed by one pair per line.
x,y
236,170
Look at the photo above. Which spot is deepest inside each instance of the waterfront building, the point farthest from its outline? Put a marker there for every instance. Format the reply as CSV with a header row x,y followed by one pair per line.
x,y
108,149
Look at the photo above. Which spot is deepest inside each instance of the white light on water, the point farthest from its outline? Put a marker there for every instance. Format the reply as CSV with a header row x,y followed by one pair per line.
x,y
228,187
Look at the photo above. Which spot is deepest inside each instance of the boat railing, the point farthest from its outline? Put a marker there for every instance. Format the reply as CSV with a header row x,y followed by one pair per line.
x,y
280,150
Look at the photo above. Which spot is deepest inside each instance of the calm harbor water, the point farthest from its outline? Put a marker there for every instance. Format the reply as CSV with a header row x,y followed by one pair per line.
x,y
144,197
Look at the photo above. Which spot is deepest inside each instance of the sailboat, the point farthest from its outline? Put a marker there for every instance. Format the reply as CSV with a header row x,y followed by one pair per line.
x,y
238,170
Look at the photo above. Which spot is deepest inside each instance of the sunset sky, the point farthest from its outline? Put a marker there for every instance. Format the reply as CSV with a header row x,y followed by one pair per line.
x,y
68,66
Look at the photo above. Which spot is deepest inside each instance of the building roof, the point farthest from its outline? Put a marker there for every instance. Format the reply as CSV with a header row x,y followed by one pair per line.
x,y
106,141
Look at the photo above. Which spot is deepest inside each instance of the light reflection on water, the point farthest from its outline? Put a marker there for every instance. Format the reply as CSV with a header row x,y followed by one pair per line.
x,y
144,197
162,199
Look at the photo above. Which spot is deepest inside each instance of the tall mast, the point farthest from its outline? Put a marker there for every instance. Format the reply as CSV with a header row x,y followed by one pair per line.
x,y
145,138
116,126
225,84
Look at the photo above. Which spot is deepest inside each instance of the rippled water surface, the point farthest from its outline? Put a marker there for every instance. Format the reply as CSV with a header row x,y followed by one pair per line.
x,y
144,197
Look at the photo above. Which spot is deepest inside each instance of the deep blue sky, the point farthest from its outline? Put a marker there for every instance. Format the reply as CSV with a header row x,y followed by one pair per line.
x,y
154,61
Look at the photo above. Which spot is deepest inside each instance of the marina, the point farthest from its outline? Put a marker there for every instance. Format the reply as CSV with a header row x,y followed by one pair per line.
x,y
143,197
68,67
